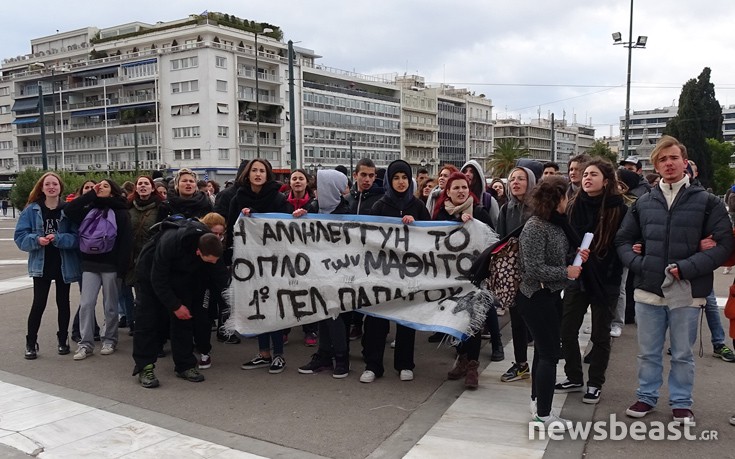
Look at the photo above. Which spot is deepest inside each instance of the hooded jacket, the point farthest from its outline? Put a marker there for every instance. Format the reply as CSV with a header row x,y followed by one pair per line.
x,y
331,184
515,213
395,204
672,235
488,202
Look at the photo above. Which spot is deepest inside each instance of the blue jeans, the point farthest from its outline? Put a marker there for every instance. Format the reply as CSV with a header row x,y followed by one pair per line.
x,y
125,302
653,321
712,313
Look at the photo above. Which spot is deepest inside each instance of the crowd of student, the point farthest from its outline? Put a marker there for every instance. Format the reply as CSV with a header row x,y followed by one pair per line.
x,y
164,248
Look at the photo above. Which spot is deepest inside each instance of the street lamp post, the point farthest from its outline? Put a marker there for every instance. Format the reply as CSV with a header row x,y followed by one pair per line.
x,y
352,168
630,44
257,94
44,153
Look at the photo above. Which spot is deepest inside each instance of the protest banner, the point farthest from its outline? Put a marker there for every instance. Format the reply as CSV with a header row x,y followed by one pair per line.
x,y
292,271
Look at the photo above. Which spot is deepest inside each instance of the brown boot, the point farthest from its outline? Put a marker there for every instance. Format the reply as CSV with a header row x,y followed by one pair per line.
x,y
460,368
470,380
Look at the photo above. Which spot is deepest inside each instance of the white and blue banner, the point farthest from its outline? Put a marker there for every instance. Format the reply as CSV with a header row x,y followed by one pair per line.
x,y
292,271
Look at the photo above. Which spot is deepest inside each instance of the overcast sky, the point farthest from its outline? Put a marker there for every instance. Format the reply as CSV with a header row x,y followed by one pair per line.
x,y
526,55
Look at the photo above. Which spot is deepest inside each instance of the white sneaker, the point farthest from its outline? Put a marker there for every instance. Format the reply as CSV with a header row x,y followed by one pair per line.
x,y
616,331
587,330
107,349
82,353
367,376
393,344
500,312
553,419
406,375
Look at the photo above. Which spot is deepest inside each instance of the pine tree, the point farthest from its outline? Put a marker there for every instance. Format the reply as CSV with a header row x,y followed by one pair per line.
x,y
699,118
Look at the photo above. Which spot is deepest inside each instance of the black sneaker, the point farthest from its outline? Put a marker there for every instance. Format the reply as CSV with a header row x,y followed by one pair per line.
x,y
258,362
123,322
592,395
341,368
277,365
568,386
498,355
317,364
232,339
64,349
192,374
516,372
147,378
724,353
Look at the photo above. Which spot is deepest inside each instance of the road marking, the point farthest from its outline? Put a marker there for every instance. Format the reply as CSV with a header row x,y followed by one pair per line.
x,y
14,284
13,262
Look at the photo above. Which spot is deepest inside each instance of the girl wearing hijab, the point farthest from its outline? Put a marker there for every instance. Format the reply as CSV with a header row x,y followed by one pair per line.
x,y
257,192
400,202
50,238
332,341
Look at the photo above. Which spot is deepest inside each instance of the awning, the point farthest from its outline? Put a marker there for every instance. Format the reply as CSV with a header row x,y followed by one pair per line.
x,y
147,61
96,112
146,105
25,120
26,104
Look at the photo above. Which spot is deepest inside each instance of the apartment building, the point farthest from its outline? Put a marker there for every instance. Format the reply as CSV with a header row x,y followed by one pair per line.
x,y
419,124
185,93
347,116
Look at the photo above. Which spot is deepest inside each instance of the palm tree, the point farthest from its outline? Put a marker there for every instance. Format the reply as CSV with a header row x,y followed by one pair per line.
x,y
507,153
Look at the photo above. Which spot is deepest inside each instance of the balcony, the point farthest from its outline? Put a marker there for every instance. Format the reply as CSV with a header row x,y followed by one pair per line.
x,y
263,120
261,100
409,142
250,74
421,127
250,140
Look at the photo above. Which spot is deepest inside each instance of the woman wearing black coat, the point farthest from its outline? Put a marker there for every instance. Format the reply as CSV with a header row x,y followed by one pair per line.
x,y
258,192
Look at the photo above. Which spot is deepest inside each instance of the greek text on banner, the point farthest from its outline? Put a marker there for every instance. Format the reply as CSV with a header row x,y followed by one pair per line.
x,y
292,271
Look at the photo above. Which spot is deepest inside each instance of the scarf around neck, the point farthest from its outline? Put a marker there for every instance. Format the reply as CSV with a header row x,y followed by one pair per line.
x,y
465,208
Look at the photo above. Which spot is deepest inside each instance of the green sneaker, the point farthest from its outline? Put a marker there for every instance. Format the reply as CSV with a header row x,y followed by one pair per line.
x,y
192,374
147,378
724,353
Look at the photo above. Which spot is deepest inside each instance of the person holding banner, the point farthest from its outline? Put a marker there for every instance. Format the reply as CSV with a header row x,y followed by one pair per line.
x,y
399,202
300,196
596,208
333,342
258,192
458,203
545,241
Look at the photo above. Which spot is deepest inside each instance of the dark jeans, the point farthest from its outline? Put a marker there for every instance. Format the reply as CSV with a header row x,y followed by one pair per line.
x,y
41,287
471,347
493,326
333,340
629,301
202,325
541,312
373,345
575,307
519,332
276,337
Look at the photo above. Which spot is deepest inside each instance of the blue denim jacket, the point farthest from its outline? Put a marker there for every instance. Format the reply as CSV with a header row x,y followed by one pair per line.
x,y
30,228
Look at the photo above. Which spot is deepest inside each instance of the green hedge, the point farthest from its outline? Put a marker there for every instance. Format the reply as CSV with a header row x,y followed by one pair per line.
x,y
25,181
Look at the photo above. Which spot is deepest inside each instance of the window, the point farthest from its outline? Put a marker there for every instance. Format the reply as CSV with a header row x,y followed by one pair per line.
x,y
222,131
5,127
6,145
5,90
221,85
220,62
188,153
183,110
192,131
185,63
223,109
185,86
4,109
224,153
